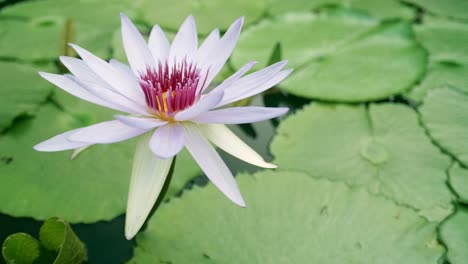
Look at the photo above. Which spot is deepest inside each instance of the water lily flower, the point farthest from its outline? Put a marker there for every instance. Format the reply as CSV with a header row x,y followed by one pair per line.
x,y
166,92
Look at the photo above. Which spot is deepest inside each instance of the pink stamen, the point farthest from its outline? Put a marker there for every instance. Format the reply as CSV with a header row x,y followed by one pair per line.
x,y
170,89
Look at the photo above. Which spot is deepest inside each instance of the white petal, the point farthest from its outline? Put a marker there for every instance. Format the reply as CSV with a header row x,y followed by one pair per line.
x,y
123,69
211,164
138,53
148,176
205,104
185,42
70,86
207,46
60,142
115,98
81,70
119,82
106,132
167,140
140,122
226,140
159,45
236,76
221,52
240,115
254,83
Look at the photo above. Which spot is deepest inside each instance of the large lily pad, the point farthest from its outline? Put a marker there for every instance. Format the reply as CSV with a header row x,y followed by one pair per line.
x,y
40,30
454,234
381,147
290,218
208,14
339,57
448,8
382,9
444,114
21,91
92,187
459,181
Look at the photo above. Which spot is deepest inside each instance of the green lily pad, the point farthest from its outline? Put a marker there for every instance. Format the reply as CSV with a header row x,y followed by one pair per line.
x,y
40,30
383,9
447,8
290,218
21,92
208,14
459,181
454,234
444,39
92,187
444,114
381,147
339,57
443,74
20,248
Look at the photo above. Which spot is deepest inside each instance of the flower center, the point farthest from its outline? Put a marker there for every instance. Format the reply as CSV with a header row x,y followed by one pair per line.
x,y
171,88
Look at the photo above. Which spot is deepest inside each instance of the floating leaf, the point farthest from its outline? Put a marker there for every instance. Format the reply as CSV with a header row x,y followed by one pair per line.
x,y
448,8
459,181
339,57
381,147
444,114
21,92
208,14
20,248
290,218
454,234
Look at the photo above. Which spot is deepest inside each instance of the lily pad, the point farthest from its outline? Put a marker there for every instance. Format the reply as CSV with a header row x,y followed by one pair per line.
x,y
92,187
21,92
444,39
459,181
454,234
294,219
383,9
343,56
448,8
208,14
381,147
49,25
444,114
20,248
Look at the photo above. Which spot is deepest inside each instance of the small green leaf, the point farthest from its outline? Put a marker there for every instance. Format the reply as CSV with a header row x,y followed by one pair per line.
x,y
56,235
20,248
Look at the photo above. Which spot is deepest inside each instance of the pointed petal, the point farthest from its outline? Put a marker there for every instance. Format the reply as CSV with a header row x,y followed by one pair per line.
x,y
81,70
211,164
207,46
220,53
167,141
236,76
140,122
185,42
226,140
119,83
254,83
138,53
240,115
122,68
60,142
106,132
70,86
148,176
205,104
159,45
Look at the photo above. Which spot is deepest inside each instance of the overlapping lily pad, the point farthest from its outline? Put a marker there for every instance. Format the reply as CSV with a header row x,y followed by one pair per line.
x,y
380,9
343,56
92,187
290,218
381,147
459,181
448,8
454,234
40,30
21,91
209,14
444,114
